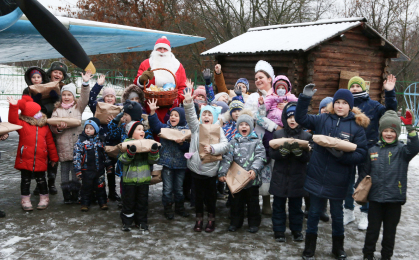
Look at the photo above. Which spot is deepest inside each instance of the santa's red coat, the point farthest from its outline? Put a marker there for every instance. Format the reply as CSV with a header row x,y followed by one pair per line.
x,y
181,83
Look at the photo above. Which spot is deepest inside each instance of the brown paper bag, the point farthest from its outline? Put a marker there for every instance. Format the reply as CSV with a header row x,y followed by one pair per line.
x,y
237,178
361,193
44,89
338,144
208,134
143,145
155,177
104,110
174,134
6,127
113,151
276,143
71,122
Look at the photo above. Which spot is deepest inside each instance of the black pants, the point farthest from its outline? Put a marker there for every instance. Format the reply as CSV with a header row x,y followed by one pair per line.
x,y
25,183
389,215
134,204
205,190
52,171
91,183
249,197
111,178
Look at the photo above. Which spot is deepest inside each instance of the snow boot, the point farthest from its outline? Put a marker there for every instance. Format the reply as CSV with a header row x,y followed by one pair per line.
x,y
210,227
168,211
51,187
125,228
75,191
104,207
348,216
65,187
199,223
2,214
113,195
337,247
297,236
43,201
310,246
266,206
253,229
26,203
280,237
180,209
369,257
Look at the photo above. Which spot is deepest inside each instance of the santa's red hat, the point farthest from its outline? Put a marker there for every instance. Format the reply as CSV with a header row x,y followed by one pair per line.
x,y
162,42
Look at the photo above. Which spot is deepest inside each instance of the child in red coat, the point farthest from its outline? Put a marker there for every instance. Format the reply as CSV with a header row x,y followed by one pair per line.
x,y
35,146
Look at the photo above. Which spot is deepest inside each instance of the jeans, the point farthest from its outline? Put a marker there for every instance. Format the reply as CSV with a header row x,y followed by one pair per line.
x,y
295,214
349,201
172,185
317,205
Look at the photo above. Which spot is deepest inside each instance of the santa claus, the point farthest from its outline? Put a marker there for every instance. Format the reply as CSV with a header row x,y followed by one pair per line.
x,y
162,57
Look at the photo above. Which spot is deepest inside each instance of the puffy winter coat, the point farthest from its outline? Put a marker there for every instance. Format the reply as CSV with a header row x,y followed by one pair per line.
x,y
229,126
89,154
171,153
374,110
387,165
271,103
36,143
329,176
67,138
194,163
249,153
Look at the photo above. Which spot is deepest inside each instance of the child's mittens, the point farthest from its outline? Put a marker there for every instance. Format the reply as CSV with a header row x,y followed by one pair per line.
x,y
408,121
79,175
238,90
131,150
154,148
146,76
206,74
285,149
335,152
296,150
309,90
53,94
118,117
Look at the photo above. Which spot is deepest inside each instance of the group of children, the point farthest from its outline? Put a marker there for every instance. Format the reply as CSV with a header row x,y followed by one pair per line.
x,y
246,123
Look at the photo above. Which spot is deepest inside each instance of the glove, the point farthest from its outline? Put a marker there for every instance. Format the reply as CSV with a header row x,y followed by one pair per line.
x,y
206,73
146,76
238,90
154,148
410,128
118,117
53,94
37,98
335,152
285,149
131,150
79,176
309,90
296,150
409,118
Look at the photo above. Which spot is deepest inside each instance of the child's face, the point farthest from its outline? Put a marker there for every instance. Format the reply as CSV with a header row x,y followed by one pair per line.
x,y
174,118
389,135
323,110
36,79
355,88
235,114
89,130
136,99
126,118
57,75
262,82
110,99
207,118
243,87
223,98
200,97
138,133
67,97
291,122
341,108
244,129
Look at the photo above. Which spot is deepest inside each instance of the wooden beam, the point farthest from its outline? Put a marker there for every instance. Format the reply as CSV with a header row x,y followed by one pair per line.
x,y
376,42
392,54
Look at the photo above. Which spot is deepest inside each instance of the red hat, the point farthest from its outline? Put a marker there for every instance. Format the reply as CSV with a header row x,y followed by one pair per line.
x,y
163,42
28,107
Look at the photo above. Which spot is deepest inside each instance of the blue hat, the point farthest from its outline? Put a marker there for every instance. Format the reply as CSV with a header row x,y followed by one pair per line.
x,y
182,117
215,111
93,121
325,101
345,95
236,105
244,81
291,111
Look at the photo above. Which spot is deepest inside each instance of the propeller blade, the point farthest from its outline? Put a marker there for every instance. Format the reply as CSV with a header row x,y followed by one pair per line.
x,y
56,34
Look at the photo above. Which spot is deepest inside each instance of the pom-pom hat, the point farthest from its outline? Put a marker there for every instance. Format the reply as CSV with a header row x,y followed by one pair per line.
x,y
162,42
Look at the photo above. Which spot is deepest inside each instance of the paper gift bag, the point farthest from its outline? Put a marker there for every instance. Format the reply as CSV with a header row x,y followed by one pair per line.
x,y
143,145
6,127
237,178
71,122
208,134
338,144
174,134
104,110
45,89
113,151
361,193
276,143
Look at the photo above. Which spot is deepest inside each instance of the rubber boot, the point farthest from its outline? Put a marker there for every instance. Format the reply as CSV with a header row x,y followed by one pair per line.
x,y
199,223
113,195
43,201
210,227
310,246
2,214
51,187
168,211
180,209
266,206
26,203
337,247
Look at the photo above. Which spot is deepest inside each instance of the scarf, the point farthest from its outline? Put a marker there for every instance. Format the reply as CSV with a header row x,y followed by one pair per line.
x,y
360,94
67,106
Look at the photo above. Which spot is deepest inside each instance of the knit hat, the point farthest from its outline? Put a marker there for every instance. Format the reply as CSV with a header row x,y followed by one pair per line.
x,y
235,105
288,85
244,81
133,109
69,87
325,101
29,74
162,42
93,121
291,111
130,127
390,120
345,95
56,65
200,90
109,91
215,111
216,97
357,80
133,95
223,105
28,107
182,117
266,67
246,116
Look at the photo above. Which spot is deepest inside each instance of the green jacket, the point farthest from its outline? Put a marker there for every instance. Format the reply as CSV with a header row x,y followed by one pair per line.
x,y
137,170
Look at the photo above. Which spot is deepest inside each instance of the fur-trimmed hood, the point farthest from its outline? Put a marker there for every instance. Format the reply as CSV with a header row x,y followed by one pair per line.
x,y
360,118
32,121
133,88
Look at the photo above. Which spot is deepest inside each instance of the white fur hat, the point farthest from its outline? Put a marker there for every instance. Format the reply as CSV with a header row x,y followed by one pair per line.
x,y
266,67
216,97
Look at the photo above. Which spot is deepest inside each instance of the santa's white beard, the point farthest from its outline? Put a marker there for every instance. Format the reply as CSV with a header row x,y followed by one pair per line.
x,y
163,60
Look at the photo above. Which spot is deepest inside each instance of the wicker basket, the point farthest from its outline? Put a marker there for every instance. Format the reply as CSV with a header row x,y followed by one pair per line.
x,y
164,98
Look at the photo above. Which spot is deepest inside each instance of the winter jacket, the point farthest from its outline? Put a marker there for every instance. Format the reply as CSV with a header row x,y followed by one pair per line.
x,y
374,110
387,164
229,126
289,172
89,154
329,176
117,134
67,138
194,163
171,153
271,103
136,169
36,143
263,123
249,153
